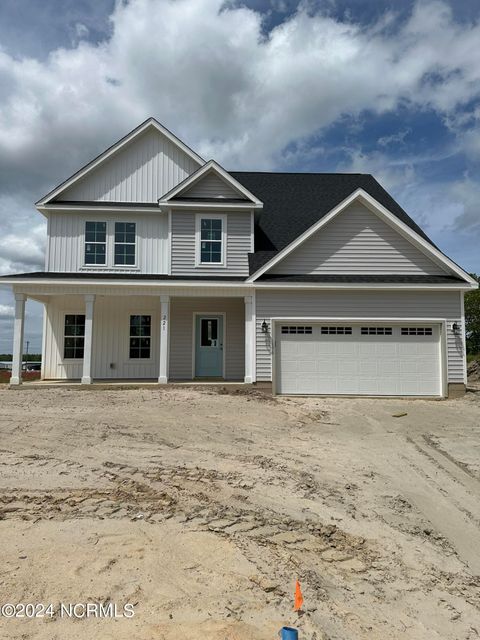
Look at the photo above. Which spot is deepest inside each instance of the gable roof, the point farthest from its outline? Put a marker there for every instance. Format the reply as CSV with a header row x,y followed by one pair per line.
x,y
150,123
420,240
293,202
208,168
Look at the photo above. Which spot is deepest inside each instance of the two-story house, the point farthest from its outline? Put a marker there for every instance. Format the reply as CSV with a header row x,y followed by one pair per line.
x,y
162,266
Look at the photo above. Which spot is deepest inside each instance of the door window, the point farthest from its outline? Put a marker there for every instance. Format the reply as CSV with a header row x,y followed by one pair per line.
x,y
208,332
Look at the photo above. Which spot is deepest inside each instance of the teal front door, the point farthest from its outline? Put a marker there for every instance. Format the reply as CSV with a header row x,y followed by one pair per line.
x,y
209,346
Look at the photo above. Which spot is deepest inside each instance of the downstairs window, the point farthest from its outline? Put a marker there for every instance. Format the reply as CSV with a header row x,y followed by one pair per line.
x,y
74,336
140,336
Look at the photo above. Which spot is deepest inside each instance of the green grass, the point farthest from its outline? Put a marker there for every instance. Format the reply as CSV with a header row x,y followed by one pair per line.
x,y
473,356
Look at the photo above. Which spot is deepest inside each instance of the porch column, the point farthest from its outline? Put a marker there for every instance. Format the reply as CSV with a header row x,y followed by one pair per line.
x,y
18,325
249,339
88,340
164,338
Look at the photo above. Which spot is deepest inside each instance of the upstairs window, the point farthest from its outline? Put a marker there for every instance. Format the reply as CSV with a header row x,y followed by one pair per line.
x,y
95,242
124,252
74,336
211,240
140,336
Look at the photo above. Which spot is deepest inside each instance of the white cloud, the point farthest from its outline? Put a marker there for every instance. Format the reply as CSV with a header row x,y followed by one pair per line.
x,y
5,311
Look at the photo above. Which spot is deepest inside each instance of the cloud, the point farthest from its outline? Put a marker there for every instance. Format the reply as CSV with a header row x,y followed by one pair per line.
x,y
5,311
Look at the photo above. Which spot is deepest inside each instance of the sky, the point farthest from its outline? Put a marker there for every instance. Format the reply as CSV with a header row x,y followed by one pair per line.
x,y
375,86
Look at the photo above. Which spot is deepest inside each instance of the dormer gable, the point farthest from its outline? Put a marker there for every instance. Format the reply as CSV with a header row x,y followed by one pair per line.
x,y
210,183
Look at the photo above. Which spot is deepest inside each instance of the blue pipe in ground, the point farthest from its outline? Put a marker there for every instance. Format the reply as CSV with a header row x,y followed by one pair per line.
x,y
288,633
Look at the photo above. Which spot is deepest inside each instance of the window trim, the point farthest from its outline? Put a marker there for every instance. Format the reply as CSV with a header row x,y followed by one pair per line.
x,y
72,360
110,246
102,265
198,221
135,244
130,314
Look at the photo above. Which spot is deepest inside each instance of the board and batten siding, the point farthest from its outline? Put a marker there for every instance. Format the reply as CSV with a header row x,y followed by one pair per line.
x,y
211,186
443,305
238,245
111,329
182,335
66,234
142,171
356,241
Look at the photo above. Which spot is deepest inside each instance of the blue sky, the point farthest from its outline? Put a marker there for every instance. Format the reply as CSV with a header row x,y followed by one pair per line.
x,y
376,86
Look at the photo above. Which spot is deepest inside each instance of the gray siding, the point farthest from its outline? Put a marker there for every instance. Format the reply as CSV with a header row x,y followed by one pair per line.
x,y
144,170
183,245
357,241
211,186
181,335
358,304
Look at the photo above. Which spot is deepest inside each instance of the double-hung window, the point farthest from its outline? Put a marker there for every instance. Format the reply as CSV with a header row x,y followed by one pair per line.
x,y
74,336
95,243
140,336
124,243
211,240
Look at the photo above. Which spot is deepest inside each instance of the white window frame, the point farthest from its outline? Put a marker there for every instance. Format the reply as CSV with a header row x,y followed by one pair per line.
x,y
106,243
140,360
135,244
110,247
198,221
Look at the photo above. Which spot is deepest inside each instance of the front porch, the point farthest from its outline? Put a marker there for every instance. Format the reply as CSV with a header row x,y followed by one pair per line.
x,y
142,336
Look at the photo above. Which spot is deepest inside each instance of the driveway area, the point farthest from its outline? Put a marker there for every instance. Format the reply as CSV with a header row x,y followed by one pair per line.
x,y
201,507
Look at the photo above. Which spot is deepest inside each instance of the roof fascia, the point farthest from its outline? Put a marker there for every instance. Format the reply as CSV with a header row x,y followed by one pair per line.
x,y
377,208
211,165
196,206
5,280
57,208
111,151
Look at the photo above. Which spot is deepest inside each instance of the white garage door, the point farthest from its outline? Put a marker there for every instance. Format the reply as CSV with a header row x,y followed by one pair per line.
x,y
358,359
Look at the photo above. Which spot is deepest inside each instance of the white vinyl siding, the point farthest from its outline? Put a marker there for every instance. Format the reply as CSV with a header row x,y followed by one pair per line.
x,y
66,246
238,244
357,242
211,186
358,304
111,337
181,335
142,171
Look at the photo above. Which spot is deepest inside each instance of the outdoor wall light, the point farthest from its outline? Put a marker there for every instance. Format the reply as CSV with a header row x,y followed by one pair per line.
x,y
264,327
456,328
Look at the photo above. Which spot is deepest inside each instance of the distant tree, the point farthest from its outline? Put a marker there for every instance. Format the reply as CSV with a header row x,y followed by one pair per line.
x,y
32,357
472,319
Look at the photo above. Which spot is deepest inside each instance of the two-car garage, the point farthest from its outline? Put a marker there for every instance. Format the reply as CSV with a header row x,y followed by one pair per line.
x,y
358,358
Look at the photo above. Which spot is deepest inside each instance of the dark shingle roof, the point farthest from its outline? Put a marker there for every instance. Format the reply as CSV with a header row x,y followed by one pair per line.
x,y
359,279
56,275
293,202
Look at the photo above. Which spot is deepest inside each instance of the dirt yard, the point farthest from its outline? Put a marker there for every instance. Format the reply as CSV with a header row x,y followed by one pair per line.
x,y
201,508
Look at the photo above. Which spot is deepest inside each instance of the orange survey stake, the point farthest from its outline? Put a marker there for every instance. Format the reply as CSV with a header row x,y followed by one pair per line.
x,y
298,597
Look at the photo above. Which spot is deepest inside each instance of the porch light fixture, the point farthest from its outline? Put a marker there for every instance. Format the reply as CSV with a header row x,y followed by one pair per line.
x,y
456,328
264,327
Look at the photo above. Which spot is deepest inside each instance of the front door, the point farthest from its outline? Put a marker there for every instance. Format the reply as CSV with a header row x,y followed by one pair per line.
x,y
209,346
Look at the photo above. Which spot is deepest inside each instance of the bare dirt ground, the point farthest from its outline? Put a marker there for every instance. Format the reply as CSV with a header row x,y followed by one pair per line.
x,y
202,507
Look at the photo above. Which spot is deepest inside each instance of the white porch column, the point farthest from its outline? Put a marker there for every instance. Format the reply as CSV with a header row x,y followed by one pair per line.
x,y
18,325
249,339
164,338
88,341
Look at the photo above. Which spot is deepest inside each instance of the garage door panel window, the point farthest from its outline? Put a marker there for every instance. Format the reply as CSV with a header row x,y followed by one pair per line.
x,y
417,331
376,331
336,331
300,330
